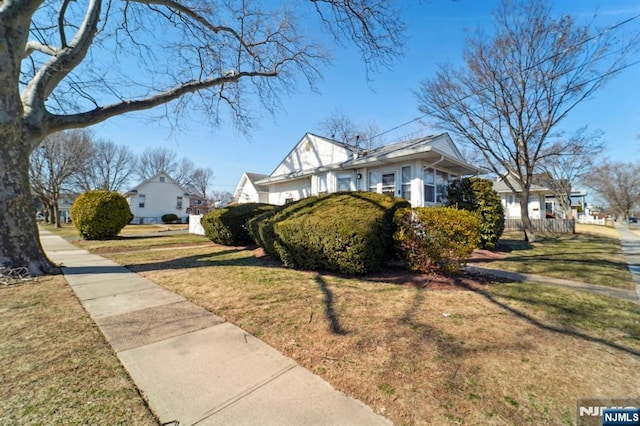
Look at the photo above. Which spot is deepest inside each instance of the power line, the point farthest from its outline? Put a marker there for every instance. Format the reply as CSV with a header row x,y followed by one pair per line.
x,y
587,40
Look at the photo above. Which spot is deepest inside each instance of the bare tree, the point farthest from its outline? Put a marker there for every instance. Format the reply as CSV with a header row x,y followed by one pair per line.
x,y
343,129
62,67
164,160
54,163
518,85
110,167
618,184
202,178
566,161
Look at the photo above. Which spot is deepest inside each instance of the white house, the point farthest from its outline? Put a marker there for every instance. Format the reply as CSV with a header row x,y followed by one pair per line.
x,y
157,196
248,191
417,170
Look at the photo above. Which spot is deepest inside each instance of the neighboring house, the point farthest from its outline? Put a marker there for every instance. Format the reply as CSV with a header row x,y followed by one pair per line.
x,y
157,196
417,170
65,201
248,191
198,205
543,202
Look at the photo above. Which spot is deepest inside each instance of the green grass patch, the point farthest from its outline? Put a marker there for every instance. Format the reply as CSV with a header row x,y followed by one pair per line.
x,y
589,258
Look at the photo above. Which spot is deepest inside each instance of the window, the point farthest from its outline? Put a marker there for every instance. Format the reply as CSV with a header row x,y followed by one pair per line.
x,y
161,179
389,183
406,183
141,200
288,200
179,203
429,185
442,180
198,202
374,180
322,184
344,182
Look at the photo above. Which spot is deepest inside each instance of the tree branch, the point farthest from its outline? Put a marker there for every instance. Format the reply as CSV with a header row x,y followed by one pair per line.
x,y
61,122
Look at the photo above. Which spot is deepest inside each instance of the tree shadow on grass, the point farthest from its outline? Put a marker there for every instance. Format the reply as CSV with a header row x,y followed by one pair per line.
x,y
329,311
561,330
205,259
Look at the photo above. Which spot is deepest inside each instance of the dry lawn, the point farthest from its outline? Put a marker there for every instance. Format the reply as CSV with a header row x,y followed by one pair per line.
x,y
431,351
592,255
55,367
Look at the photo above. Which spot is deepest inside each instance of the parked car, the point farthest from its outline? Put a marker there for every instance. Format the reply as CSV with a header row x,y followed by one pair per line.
x,y
633,220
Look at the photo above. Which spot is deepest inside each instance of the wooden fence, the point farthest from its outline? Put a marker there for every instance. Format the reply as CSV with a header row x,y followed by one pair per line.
x,y
567,226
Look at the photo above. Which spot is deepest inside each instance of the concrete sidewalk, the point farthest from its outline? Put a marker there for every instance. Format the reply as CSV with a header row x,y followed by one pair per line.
x,y
630,244
192,366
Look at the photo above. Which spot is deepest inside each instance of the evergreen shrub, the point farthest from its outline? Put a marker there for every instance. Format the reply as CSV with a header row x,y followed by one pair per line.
x,y
169,218
435,238
100,214
478,195
348,232
228,226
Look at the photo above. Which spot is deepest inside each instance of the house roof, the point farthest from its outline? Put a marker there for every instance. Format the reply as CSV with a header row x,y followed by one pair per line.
x,y
135,189
539,184
435,150
254,178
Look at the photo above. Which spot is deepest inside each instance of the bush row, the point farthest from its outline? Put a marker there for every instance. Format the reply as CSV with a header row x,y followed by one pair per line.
x,y
228,226
355,232
344,232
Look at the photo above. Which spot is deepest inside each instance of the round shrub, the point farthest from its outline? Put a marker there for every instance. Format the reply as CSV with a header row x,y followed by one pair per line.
x,y
478,195
435,238
100,214
345,232
169,218
228,226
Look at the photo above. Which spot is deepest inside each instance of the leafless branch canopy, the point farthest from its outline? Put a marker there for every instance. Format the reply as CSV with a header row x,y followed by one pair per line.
x,y
519,85
88,60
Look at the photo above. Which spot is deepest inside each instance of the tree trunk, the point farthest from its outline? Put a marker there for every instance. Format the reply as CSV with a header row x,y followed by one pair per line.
x,y
529,235
56,214
19,240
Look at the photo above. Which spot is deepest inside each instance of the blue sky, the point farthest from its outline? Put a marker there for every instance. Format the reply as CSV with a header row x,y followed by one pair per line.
x,y
437,31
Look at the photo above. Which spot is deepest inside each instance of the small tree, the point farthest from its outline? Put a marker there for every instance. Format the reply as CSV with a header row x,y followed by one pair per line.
x,y
478,195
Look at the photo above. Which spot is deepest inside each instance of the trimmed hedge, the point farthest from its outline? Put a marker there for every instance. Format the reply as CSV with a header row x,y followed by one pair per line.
x,y
100,214
346,232
228,226
435,238
169,218
478,195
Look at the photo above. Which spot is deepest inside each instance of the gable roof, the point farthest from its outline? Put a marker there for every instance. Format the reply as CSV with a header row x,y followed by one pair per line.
x,y
310,138
438,149
135,189
540,183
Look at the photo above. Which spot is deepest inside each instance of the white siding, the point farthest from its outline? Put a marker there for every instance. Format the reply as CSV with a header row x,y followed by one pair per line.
x,y
248,193
160,198
310,153
295,190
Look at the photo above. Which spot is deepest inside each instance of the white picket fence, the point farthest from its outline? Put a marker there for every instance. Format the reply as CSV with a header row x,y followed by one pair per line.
x,y
194,224
591,220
